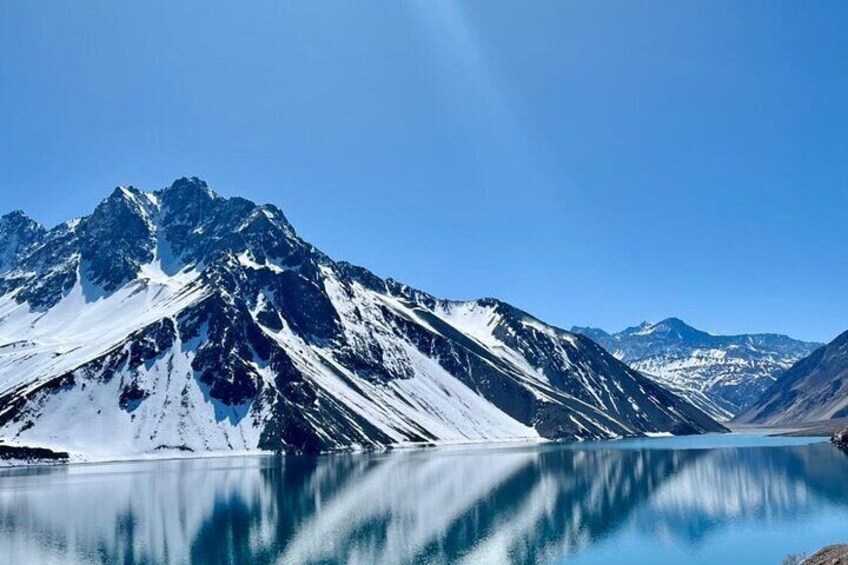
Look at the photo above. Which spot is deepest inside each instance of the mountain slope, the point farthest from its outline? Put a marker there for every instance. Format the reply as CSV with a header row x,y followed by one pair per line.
x,y
722,375
815,388
178,320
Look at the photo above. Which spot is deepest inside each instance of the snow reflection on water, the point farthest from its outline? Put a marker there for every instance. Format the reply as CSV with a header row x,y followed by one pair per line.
x,y
522,504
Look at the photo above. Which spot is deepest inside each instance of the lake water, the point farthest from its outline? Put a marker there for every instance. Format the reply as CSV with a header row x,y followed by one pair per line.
x,y
711,499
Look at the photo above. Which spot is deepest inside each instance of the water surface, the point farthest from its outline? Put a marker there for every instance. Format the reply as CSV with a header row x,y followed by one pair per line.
x,y
710,499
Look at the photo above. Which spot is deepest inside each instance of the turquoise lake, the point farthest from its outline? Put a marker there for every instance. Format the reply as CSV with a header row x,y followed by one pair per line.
x,y
710,499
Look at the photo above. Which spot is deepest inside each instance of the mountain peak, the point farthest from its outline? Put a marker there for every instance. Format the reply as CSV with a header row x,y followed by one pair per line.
x,y
183,182
127,197
669,328
118,237
188,197
122,191
675,324
15,216
124,200
18,233
190,185
18,221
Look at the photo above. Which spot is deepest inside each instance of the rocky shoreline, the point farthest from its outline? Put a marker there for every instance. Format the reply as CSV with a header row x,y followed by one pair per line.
x,y
23,455
830,555
840,440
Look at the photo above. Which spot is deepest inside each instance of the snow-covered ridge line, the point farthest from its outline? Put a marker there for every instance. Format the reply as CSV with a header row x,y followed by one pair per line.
x,y
181,320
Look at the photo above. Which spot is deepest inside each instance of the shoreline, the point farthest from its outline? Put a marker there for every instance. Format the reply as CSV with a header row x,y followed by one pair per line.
x,y
831,555
183,455
180,455
822,428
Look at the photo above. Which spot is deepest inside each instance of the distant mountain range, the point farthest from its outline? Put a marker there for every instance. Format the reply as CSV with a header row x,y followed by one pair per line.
x,y
815,388
181,321
722,375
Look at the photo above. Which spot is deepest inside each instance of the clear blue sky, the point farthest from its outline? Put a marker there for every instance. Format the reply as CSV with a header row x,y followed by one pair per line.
x,y
593,163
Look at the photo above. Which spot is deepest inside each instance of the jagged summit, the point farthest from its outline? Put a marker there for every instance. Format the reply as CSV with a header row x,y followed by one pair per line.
x,y
189,183
670,329
188,192
179,320
185,224
16,216
18,234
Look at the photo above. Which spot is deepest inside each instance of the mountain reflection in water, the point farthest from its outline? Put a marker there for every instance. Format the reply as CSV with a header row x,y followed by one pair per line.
x,y
522,504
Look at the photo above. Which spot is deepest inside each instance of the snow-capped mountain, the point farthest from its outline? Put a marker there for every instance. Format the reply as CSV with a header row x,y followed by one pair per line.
x,y
815,388
722,375
182,320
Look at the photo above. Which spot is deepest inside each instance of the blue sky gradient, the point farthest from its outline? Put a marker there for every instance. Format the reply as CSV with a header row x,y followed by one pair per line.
x,y
593,163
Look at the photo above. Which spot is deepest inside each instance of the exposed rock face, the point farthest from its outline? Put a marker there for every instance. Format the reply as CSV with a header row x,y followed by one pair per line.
x,y
181,320
722,375
815,388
